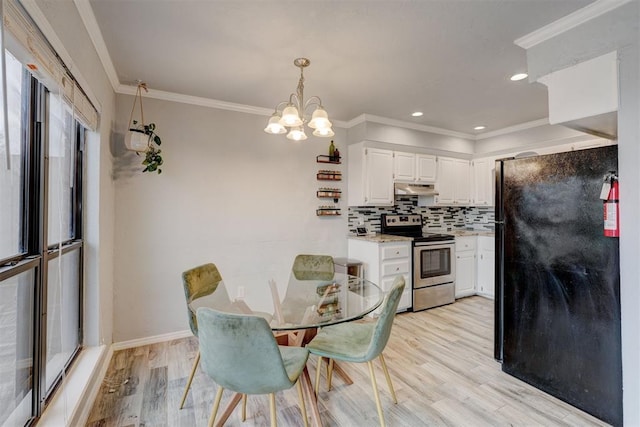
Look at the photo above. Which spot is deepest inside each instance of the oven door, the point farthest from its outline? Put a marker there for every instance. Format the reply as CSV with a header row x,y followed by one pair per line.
x,y
433,264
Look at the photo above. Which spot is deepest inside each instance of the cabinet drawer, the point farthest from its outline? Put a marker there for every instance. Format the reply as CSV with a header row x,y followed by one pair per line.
x,y
396,251
395,267
465,243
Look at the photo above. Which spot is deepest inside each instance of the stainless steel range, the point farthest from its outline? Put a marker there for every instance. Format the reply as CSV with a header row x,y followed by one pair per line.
x,y
433,260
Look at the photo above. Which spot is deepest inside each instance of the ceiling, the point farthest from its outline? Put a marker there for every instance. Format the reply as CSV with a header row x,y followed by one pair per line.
x,y
450,59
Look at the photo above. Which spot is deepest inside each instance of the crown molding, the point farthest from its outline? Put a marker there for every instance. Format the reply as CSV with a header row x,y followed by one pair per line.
x,y
511,129
568,22
408,125
92,27
205,102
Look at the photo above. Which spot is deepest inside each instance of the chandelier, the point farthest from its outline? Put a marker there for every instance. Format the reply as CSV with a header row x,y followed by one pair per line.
x,y
292,115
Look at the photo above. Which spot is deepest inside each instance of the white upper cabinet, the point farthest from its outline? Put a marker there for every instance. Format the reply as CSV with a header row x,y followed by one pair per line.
x,y
413,167
454,182
483,181
404,166
370,172
426,168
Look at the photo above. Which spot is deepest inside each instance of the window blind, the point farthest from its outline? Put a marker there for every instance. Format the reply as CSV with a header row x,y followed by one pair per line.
x,y
27,43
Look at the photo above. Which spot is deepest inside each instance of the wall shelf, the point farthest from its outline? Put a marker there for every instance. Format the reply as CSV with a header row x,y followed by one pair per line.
x,y
322,158
328,211
327,175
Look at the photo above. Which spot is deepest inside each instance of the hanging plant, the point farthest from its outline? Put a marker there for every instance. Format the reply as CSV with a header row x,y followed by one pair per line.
x,y
142,138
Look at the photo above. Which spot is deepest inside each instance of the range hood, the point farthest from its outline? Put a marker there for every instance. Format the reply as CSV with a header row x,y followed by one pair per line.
x,y
401,189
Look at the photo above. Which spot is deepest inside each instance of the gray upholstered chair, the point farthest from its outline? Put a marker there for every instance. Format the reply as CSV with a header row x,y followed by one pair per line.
x,y
199,282
240,354
360,342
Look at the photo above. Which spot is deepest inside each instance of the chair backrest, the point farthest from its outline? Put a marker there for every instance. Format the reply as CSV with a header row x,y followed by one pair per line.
x,y
240,353
382,330
199,282
313,267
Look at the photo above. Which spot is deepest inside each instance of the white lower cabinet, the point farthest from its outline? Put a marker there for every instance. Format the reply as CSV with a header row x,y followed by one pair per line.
x,y
486,266
465,283
382,262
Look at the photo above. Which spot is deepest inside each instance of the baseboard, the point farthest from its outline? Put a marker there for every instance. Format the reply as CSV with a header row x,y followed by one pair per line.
x,y
122,345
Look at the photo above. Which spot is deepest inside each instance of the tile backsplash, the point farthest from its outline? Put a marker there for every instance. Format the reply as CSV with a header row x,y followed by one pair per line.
x,y
436,218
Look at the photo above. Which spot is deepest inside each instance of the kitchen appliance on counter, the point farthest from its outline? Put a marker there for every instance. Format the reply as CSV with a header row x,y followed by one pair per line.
x,y
558,279
433,260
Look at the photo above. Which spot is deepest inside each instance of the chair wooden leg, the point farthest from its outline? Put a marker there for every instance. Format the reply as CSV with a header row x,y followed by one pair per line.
x,y
303,408
375,392
216,405
272,408
317,388
193,371
386,374
244,407
329,374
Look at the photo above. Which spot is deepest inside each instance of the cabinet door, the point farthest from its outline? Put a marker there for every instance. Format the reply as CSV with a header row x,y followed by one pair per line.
x,y
465,273
462,179
426,168
404,166
486,266
481,185
378,177
446,181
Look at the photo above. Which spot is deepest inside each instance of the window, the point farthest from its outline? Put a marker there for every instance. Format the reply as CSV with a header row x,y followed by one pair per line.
x,y
41,245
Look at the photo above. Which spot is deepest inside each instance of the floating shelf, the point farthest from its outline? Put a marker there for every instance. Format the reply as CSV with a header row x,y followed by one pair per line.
x,y
328,159
328,211
329,193
327,175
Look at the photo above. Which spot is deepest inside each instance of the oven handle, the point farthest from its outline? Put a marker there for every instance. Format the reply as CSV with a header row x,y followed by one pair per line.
x,y
443,244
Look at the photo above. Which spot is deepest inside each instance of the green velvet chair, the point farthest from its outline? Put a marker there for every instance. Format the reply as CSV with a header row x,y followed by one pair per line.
x,y
313,267
199,282
360,342
240,353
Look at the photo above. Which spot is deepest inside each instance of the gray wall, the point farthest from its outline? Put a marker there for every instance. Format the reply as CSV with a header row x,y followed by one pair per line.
x,y
229,194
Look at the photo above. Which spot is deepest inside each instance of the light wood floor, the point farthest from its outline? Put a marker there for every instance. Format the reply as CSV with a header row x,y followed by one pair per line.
x,y
440,360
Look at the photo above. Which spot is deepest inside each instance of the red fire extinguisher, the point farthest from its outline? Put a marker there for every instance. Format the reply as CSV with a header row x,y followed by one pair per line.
x,y
611,209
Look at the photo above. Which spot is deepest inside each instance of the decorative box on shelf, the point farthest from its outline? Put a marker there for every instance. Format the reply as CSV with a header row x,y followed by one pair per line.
x,y
328,159
328,211
327,175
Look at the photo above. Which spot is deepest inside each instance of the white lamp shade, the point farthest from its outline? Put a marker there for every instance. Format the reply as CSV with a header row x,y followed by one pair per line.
x,y
136,140
297,134
274,127
324,132
290,117
319,119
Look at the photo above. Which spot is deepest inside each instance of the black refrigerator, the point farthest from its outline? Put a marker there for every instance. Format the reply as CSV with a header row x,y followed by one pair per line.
x,y
557,279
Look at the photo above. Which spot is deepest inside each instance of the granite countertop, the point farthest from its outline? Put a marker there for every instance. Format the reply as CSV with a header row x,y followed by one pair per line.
x,y
462,233
380,238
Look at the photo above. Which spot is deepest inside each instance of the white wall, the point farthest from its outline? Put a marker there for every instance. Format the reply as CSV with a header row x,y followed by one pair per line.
x,y
74,46
228,194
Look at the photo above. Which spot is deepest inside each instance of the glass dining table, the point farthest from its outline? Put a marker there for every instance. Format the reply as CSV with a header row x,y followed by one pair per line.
x,y
311,300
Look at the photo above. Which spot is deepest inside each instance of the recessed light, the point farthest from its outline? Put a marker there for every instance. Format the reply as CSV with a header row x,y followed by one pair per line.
x,y
417,114
479,127
519,76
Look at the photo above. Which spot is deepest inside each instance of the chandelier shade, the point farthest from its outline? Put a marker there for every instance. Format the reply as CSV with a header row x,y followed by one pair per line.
x,y
297,134
274,127
292,116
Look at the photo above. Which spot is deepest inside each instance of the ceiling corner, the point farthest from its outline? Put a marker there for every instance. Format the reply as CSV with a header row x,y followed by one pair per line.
x,y
91,24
